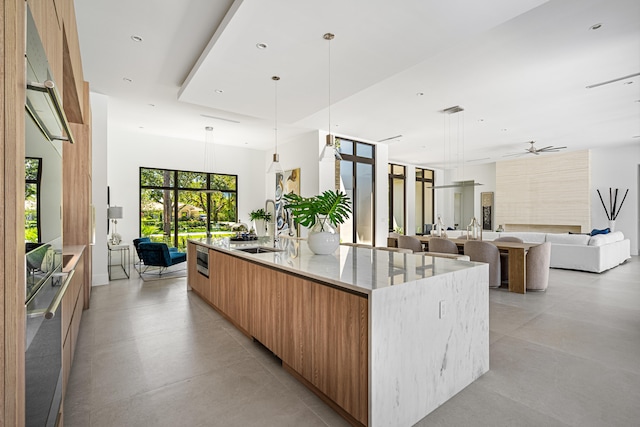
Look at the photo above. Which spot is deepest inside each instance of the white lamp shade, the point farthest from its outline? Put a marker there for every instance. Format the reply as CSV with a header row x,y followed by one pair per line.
x,y
114,212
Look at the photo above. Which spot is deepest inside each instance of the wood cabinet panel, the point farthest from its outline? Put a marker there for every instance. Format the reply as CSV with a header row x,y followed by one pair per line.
x,y
50,31
339,348
244,276
266,311
72,67
192,272
297,326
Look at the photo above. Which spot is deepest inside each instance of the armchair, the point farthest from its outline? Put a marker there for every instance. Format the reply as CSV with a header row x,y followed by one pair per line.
x,y
158,255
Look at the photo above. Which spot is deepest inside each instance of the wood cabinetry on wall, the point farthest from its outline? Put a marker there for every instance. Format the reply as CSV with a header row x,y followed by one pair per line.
x,y
548,193
319,332
51,17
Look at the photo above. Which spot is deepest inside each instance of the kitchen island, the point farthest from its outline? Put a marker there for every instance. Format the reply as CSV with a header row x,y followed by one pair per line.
x,y
383,337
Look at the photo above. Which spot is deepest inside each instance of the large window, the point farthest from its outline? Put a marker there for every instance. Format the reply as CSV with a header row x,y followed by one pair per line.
x,y
33,176
424,200
177,205
357,179
397,197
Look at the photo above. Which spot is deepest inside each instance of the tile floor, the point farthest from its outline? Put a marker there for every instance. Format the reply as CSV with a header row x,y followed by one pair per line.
x,y
152,354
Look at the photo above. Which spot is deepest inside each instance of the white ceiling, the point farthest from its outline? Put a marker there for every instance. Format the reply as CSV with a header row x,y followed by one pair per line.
x,y
518,68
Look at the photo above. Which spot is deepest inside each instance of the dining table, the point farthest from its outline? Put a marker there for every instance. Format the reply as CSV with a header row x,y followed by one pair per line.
x,y
516,252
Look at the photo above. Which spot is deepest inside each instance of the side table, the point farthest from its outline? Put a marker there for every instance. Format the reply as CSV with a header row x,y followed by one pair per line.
x,y
125,257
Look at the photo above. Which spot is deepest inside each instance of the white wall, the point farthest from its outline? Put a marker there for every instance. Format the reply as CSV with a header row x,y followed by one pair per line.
x,y
617,168
130,150
99,137
296,153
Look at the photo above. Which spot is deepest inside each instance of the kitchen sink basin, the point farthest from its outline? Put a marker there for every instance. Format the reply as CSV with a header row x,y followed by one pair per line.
x,y
258,250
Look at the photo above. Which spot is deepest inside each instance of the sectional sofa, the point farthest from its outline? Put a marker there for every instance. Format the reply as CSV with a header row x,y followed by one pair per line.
x,y
573,251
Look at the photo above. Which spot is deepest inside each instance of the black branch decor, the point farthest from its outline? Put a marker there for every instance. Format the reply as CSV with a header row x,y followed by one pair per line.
x,y
614,209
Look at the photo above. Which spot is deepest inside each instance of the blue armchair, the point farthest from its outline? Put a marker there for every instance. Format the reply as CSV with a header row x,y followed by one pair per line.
x,y
158,255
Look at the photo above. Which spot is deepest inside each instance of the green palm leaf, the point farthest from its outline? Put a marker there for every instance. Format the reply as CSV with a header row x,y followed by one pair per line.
x,y
335,205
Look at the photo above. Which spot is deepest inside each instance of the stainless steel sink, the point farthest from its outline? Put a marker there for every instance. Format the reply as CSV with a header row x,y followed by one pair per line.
x,y
258,250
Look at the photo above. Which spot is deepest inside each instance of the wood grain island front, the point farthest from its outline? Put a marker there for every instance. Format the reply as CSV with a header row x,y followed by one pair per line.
x,y
357,327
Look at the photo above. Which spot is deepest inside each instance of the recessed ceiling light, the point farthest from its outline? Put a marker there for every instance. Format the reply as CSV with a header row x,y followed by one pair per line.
x,y
481,120
127,79
219,91
152,105
628,83
503,129
420,94
141,127
262,45
208,128
136,39
595,27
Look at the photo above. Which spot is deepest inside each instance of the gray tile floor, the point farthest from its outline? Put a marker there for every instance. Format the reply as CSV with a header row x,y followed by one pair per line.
x,y
152,354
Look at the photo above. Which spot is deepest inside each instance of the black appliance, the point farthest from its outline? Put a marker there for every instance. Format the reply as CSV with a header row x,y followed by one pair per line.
x,y
202,260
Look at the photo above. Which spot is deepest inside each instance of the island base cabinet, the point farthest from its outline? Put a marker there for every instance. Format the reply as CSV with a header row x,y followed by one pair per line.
x,y
326,342
319,332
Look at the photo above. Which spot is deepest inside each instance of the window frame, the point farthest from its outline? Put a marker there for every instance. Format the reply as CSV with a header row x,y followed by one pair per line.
x,y
355,159
424,181
392,177
175,189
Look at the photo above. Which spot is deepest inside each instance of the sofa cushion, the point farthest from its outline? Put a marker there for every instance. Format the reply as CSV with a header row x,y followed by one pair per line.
x,y
568,239
603,239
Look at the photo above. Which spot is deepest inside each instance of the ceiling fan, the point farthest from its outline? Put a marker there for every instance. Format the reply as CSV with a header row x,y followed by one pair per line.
x,y
536,151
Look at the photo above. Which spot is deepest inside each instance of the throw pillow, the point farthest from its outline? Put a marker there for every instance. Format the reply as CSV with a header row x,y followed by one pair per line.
x,y
596,231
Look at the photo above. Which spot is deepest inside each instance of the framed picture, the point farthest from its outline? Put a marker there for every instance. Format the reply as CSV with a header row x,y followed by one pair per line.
x,y
486,200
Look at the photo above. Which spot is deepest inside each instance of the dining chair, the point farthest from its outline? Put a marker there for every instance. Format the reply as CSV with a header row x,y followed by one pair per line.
x,y
410,242
504,258
485,252
442,245
538,262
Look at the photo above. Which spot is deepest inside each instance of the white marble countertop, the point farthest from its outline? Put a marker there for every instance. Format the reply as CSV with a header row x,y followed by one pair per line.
x,y
362,270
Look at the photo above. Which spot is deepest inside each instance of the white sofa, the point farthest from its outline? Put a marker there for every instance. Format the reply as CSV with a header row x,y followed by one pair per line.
x,y
573,251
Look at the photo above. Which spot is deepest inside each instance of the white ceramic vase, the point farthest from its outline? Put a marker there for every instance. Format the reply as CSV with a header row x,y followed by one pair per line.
x,y
260,226
323,238
612,225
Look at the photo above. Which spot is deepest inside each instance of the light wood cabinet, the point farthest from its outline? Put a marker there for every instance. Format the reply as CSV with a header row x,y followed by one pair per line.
x,y
318,331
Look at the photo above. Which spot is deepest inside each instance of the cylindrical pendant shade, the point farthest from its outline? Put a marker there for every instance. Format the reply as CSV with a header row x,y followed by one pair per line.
x,y
115,212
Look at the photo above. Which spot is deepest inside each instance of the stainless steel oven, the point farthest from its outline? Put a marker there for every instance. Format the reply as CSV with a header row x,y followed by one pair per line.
x,y
43,355
202,260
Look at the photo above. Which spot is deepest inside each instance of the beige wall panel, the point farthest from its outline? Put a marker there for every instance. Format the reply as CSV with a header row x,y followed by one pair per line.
x,y
544,193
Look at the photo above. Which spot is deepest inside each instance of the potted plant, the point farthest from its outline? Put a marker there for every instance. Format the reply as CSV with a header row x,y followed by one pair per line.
x,y
260,218
321,214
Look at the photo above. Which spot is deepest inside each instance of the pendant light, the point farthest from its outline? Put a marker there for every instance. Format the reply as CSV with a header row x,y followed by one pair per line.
x,y
330,150
275,164
448,144
209,155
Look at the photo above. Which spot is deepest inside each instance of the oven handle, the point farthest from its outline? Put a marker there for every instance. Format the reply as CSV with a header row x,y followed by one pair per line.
x,y
51,311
